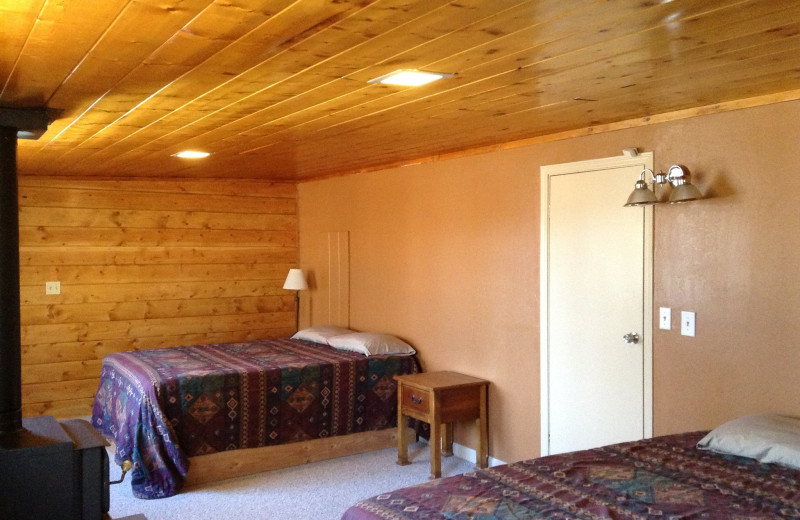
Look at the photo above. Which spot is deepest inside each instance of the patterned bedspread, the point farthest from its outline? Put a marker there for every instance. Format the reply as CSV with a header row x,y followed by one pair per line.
x,y
162,406
665,478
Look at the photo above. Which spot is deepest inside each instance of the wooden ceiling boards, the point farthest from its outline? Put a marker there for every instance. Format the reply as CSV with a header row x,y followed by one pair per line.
x,y
279,89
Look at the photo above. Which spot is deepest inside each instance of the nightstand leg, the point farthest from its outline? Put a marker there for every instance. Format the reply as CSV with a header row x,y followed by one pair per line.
x,y
447,440
436,449
402,439
483,428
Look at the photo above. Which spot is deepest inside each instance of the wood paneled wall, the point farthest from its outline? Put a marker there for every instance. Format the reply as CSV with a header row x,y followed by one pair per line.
x,y
145,264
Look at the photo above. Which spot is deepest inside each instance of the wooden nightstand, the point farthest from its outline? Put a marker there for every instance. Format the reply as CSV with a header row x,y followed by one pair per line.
x,y
440,399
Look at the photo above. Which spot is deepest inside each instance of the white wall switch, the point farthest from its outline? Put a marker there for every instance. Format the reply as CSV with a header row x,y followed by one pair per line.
x,y
664,318
687,323
52,287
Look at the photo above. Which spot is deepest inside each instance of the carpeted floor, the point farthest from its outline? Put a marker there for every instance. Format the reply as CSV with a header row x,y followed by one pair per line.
x,y
318,491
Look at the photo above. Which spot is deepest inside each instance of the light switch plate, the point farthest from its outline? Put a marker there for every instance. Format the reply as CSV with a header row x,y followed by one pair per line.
x,y
52,287
664,318
687,323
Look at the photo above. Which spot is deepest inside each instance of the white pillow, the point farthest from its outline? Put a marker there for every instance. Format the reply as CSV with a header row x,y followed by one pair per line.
x,y
371,344
320,334
764,437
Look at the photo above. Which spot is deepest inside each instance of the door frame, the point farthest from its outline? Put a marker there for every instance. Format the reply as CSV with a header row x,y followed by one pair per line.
x,y
644,160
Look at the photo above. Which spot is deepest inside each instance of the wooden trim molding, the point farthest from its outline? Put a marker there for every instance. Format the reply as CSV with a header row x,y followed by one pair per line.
x,y
339,278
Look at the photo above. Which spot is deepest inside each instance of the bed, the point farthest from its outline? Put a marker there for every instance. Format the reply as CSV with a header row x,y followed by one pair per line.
x,y
166,408
666,477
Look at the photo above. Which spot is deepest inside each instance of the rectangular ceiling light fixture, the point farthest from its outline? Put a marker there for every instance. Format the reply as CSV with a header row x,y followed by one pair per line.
x,y
410,77
191,154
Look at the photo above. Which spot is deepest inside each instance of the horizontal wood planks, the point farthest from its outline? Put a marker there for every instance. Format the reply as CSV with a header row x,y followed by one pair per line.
x,y
145,265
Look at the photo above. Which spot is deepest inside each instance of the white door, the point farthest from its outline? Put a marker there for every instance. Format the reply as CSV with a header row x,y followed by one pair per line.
x,y
596,287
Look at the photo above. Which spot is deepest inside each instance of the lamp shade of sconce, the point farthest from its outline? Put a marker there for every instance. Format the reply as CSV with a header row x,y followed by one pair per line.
x,y
295,280
677,176
641,195
684,193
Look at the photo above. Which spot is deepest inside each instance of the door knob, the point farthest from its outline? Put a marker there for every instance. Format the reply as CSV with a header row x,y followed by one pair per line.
x,y
631,337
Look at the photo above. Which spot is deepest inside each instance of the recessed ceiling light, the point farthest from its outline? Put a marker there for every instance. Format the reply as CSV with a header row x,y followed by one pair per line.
x,y
409,77
191,154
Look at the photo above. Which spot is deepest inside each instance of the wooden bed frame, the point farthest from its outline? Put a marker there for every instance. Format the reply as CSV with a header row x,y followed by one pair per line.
x,y
237,463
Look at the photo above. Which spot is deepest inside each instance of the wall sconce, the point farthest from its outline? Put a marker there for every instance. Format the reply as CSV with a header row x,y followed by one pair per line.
x,y
678,176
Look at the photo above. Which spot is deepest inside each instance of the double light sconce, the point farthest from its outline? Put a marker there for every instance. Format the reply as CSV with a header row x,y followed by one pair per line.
x,y
677,176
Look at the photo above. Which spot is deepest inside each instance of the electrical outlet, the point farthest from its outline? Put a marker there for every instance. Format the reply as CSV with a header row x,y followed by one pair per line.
x,y
664,318
687,323
52,287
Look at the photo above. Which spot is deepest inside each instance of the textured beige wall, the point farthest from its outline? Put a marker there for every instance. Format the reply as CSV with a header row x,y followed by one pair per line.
x,y
445,255
735,260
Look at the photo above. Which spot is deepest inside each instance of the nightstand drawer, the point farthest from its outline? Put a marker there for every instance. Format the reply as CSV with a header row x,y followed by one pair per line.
x,y
416,400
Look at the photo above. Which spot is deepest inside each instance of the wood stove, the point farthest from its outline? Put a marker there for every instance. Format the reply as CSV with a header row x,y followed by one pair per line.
x,y
53,470
48,469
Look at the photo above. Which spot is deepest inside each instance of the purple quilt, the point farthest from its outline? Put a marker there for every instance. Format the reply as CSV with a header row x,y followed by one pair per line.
x,y
665,478
162,406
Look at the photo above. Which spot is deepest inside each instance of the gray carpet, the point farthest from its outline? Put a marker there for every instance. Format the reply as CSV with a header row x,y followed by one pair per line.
x,y
318,491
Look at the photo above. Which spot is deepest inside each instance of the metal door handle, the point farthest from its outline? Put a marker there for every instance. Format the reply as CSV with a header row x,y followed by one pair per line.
x,y
631,337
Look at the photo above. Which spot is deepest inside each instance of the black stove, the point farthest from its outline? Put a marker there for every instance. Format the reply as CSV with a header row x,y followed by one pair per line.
x,y
48,469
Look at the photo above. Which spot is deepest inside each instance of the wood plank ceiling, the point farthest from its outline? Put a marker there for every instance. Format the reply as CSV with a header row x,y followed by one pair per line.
x,y
278,89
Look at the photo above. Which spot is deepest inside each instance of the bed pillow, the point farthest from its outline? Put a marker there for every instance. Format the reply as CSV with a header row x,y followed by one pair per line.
x,y
764,437
371,344
320,334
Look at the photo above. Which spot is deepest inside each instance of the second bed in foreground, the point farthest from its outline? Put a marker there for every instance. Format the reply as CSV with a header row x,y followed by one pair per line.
x,y
665,478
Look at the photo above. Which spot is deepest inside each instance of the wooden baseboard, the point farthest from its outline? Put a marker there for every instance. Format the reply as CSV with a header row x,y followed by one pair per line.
x,y
237,463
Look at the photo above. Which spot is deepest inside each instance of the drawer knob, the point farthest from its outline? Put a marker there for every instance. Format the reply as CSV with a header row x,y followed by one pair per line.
x,y
415,399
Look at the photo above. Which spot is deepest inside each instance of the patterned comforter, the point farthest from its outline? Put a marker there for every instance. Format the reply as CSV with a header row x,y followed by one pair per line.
x,y
162,406
665,478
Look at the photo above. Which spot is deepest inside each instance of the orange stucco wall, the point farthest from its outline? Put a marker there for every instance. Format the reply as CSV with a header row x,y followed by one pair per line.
x,y
446,255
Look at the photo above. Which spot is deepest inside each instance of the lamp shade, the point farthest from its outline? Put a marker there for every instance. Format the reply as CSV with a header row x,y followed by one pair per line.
x,y
684,193
641,195
295,281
